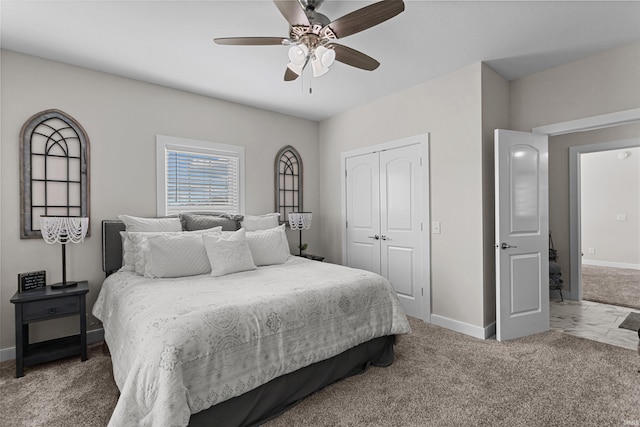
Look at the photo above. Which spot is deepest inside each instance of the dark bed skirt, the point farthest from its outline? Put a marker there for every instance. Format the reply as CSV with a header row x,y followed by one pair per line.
x,y
280,394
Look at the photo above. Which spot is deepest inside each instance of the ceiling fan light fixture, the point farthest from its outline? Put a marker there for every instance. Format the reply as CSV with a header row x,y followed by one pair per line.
x,y
323,58
318,69
298,54
327,56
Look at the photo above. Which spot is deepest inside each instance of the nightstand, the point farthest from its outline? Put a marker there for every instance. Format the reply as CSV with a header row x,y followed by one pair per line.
x,y
313,257
46,304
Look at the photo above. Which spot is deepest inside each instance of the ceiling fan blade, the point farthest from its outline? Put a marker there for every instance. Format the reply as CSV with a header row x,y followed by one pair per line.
x,y
292,12
290,75
251,41
366,17
352,57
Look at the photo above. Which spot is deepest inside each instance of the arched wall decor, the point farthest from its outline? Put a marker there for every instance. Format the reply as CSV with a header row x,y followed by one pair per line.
x,y
288,182
54,170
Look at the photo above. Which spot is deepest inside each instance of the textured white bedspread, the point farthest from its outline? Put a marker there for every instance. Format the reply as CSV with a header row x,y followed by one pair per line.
x,y
179,346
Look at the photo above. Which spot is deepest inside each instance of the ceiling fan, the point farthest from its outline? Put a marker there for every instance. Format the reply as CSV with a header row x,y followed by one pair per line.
x,y
312,35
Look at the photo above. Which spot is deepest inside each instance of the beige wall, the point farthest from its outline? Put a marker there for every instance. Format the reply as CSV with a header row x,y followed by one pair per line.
x,y
603,83
122,118
495,115
610,186
599,84
449,109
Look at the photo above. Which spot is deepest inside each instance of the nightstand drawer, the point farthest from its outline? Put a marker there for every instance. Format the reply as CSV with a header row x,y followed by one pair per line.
x,y
47,309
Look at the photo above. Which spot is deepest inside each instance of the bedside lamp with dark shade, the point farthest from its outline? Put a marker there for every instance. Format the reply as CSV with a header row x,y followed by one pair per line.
x,y
63,230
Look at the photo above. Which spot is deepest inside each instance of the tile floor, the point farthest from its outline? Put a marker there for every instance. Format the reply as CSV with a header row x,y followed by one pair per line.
x,y
594,321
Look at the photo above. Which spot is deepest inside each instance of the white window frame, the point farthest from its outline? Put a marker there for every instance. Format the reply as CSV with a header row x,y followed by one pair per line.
x,y
164,143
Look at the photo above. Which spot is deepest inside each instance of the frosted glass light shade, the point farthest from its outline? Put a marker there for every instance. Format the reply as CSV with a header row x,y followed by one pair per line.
x,y
322,60
298,54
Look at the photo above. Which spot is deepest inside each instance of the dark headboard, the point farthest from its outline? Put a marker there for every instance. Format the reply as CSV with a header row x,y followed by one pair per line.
x,y
112,241
111,245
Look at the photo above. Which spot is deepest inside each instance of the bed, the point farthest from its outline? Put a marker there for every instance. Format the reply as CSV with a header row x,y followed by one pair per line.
x,y
240,348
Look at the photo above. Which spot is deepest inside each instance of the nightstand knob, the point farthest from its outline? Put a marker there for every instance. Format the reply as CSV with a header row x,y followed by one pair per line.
x,y
53,310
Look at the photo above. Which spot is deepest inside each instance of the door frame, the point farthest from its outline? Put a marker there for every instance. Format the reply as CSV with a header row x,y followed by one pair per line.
x,y
581,125
575,211
423,140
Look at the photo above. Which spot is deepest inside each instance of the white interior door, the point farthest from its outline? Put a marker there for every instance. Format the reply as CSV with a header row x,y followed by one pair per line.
x,y
522,234
401,226
363,212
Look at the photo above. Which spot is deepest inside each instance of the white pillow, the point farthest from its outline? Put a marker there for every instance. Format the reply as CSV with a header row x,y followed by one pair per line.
x,y
137,224
260,222
268,247
176,255
228,253
135,246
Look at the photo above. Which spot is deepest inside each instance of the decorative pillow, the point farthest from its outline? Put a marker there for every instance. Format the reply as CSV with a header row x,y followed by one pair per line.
x,y
200,222
176,255
268,247
136,244
260,222
228,253
128,263
137,224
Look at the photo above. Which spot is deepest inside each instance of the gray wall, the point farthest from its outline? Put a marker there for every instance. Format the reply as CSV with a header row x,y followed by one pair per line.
x,y
610,186
599,84
459,110
122,118
449,109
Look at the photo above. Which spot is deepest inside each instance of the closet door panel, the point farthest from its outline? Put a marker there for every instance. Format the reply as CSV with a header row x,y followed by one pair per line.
x,y
363,212
400,224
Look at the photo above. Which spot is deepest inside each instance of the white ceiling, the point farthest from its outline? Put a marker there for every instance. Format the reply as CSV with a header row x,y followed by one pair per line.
x,y
170,43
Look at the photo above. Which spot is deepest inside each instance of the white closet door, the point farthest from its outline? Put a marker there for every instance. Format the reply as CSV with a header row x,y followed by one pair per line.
x,y
400,225
363,212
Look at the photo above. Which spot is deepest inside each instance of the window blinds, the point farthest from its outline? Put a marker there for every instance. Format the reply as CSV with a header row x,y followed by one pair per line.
x,y
198,181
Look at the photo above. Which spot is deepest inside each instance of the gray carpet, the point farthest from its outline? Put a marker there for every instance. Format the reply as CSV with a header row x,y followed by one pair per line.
x,y
614,286
439,378
631,322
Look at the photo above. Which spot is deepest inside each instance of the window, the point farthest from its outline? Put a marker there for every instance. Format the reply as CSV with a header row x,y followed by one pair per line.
x,y
54,152
288,174
199,176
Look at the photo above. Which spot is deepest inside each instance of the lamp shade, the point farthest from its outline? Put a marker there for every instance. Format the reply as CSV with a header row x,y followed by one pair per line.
x,y
323,58
63,229
300,220
298,58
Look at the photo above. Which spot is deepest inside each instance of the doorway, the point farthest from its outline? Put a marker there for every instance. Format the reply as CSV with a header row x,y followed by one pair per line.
x,y
562,224
609,208
586,319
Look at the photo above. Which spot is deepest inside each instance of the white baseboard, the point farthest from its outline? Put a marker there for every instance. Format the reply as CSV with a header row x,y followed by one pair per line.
x,y
611,264
455,325
93,336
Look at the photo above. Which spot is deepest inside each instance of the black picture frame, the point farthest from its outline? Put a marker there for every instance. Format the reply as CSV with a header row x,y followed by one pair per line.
x,y
32,280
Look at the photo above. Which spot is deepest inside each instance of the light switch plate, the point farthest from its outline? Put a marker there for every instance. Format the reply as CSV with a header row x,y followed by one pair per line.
x,y
435,227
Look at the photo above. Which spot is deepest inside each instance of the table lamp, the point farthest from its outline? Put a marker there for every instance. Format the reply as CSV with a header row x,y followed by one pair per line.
x,y
63,229
300,221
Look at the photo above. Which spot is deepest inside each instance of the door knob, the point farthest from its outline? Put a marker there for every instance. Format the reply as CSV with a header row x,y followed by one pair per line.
x,y
383,237
375,236
506,246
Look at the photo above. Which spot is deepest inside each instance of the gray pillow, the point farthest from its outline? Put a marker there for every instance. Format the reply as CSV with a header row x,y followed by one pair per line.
x,y
193,222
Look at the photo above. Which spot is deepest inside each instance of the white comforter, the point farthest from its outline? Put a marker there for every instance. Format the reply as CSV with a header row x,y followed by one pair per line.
x,y
179,346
